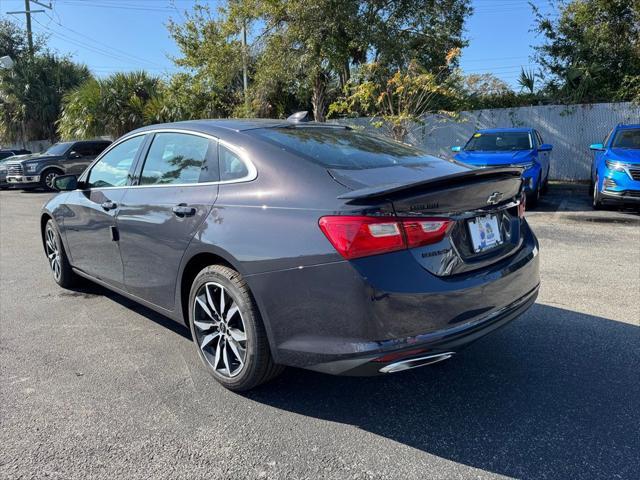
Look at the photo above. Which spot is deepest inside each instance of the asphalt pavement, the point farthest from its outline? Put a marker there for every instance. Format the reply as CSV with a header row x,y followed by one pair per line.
x,y
95,386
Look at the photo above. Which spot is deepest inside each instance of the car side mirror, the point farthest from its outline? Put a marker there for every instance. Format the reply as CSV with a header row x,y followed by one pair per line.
x,y
65,183
456,149
545,147
596,146
73,154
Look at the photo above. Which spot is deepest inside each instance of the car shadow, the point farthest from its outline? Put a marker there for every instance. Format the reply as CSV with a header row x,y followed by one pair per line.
x,y
89,289
553,395
576,198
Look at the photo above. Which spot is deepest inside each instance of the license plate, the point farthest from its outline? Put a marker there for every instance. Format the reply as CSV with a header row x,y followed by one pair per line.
x,y
485,233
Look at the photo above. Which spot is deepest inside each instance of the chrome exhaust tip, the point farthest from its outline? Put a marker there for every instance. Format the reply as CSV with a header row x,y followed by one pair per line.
x,y
416,362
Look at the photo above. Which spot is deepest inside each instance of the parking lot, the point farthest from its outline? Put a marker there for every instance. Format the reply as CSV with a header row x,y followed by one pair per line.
x,y
95,386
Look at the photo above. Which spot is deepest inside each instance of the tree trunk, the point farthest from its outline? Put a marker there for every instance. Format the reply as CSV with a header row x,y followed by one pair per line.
x,y
345,75
319,97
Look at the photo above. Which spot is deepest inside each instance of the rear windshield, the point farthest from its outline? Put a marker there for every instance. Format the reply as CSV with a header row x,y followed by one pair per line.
x,y
627,138
500,141
341,148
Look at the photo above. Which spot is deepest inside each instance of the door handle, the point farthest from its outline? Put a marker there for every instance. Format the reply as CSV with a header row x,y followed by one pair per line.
x,y
183,210
109,205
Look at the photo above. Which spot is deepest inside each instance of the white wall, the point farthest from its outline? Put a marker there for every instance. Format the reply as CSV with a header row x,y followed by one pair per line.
x,y
34,145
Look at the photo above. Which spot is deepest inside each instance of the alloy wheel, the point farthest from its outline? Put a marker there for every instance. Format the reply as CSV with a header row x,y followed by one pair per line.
x,y
220,330
53,252
48,180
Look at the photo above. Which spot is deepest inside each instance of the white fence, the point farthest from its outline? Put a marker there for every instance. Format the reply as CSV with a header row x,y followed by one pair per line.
x,y
34,146
570,129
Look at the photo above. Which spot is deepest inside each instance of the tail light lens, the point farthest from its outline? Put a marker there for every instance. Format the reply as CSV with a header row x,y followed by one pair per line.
x,y
424,232
522,206
361,236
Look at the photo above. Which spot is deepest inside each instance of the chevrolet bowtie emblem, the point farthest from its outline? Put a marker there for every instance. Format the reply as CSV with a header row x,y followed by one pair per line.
x,y
494,198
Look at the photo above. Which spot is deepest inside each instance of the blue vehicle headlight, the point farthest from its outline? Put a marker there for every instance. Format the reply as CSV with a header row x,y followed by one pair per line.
x,y
615,166
31,167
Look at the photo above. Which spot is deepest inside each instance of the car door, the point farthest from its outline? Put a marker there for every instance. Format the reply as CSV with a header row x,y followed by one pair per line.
x,y
89,222
74,160
176,187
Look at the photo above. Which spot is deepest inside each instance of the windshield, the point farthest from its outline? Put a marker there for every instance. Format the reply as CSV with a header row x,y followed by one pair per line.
x,y
499,142
58,148
341,148
627,138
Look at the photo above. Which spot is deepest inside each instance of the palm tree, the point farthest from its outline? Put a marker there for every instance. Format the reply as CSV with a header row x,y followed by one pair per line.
x,y
112,106
527,80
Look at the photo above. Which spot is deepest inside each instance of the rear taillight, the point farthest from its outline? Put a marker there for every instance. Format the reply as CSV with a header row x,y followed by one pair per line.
x,y
522,206
360,236
423,232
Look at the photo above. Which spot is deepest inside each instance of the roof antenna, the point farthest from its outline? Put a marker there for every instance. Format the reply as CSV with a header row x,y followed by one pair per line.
x,y
299,117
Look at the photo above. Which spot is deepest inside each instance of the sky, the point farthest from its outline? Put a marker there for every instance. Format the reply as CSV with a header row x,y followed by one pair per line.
x,y
124,35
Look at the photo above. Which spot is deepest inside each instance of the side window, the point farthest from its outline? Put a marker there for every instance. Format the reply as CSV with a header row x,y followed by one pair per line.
x,y
231,166
540,141
97,148
83,149
112,170
175,158
606,139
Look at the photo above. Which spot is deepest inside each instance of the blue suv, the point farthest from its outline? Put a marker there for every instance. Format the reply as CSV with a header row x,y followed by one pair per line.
x,y
615,170
522,147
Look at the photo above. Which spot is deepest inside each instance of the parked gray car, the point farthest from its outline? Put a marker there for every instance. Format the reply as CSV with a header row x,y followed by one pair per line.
x,y
65,158
302,244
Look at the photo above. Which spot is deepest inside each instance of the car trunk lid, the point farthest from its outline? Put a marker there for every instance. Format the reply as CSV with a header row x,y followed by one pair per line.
x,y
479,201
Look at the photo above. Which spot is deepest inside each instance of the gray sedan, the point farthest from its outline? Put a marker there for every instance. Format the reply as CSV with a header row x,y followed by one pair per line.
x,y
301,244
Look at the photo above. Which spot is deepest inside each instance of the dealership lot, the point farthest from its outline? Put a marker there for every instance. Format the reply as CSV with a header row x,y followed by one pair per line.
x,y
94,386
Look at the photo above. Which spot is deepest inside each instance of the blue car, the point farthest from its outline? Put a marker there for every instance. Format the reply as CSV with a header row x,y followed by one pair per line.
x,y
511,146
615,170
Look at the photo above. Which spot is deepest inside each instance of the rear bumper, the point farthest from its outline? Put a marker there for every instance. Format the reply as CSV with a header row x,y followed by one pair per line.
x,y
339,317
431,344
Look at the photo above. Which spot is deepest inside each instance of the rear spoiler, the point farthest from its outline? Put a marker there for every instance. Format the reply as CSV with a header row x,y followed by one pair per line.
x,y
474,175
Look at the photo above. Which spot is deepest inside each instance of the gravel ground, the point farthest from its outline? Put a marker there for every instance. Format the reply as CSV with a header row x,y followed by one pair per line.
x,y
94,386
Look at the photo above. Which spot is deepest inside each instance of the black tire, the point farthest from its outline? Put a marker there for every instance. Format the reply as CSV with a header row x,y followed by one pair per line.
x,y
212,283
57,258
534,198
545,185
596,201
47,177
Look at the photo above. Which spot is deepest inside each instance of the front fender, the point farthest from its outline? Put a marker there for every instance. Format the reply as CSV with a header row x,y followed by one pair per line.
x,y
56,209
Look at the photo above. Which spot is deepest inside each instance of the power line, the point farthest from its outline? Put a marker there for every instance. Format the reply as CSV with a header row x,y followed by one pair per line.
x,y
86,38
27,13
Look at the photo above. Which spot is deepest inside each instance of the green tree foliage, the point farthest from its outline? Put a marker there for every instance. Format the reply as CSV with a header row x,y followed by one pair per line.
x,y
31,92
398,99
590,49
211,55
112,106
303,52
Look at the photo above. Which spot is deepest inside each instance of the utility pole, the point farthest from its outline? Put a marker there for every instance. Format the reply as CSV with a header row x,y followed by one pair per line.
x,y
27,12
245,80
